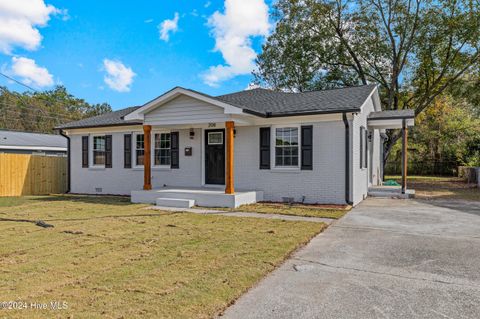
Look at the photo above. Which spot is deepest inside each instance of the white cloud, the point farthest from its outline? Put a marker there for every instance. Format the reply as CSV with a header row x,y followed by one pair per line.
x,y
233,30
167,27
119,77
207,4
194,13
19,22
252,86
148,21
30,73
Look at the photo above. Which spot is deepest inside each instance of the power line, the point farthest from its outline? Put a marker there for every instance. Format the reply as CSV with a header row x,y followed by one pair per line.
x,y
18,82
21,121
14,107
33,89
35,115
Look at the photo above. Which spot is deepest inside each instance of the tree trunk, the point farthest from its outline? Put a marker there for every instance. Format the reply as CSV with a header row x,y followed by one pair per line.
x,y
393,137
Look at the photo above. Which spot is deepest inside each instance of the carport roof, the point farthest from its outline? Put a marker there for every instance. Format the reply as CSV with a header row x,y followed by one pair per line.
x,y
391,119
392,114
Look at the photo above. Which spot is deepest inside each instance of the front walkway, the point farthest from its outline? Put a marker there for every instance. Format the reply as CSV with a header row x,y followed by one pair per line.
x,y
387,258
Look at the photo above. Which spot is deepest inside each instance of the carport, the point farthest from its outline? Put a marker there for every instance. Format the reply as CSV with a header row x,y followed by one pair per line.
x,y
398,119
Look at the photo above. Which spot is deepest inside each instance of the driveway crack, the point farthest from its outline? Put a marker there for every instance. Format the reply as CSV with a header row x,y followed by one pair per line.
x,y
402,232
386,274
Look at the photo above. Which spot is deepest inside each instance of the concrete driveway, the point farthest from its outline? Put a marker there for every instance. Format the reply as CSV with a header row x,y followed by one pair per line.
x,y
386,259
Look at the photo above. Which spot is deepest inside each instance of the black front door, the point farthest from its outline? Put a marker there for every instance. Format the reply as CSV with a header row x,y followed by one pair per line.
x,y
215,157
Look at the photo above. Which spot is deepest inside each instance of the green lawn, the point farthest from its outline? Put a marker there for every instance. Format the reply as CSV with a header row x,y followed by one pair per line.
x,y
108,258
440,187
293,209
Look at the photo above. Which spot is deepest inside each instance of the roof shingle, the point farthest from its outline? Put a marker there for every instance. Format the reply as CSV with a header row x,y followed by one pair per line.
x,y
261,102
107,119
392,114
269,102
26,139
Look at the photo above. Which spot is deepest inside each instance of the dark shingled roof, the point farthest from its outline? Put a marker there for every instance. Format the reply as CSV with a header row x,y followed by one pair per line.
x,y
277,103
27,139
261,102
107,119
390,115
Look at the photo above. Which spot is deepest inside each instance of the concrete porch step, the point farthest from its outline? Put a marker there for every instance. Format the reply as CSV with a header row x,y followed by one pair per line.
x,y
390,192
175,202
202,196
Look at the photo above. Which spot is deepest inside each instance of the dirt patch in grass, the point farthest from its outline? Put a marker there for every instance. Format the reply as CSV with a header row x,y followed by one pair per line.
x,y
439,187
106,258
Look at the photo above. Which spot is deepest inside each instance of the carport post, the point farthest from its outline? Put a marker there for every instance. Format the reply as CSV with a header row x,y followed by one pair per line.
x,y
404,155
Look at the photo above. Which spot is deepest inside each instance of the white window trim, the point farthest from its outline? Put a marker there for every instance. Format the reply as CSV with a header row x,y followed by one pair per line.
x,y
134,150
273,136
152,145
90,152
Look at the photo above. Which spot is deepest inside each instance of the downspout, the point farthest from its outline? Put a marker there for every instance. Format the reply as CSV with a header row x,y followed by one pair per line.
x,y
68,159
347,159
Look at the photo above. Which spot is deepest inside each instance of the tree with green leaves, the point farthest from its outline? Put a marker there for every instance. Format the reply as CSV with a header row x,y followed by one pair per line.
x,y
446,135
42,111
414,49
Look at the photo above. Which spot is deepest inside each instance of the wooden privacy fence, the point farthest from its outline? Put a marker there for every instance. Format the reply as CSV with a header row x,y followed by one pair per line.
x,y
22,174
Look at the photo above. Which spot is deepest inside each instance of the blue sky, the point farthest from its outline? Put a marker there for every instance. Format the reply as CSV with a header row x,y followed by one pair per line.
x,y
206,45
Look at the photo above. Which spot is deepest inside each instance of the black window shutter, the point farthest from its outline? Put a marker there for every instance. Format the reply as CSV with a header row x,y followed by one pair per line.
x,y
108,151
361,146
264,148
127,151
174,150
85,151
307,147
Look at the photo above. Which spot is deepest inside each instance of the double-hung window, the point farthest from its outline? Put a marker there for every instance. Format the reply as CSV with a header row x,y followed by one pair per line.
x,y
286,147
99,150
162,149
139,149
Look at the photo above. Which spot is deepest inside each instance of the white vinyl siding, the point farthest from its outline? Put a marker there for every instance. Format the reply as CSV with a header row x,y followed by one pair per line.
x,y
185,110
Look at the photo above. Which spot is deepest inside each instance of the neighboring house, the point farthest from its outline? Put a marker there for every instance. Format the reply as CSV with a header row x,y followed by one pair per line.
x,y
32,143
312,147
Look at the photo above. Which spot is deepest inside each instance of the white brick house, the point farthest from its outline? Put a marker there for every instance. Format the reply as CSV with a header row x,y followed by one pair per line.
x,y
313,147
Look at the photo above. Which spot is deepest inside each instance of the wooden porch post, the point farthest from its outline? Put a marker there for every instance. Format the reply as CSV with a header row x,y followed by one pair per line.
x,y
147,173
229,189
404,155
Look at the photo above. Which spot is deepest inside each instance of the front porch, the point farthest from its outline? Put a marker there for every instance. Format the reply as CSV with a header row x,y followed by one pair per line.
x,y
196,196
217,157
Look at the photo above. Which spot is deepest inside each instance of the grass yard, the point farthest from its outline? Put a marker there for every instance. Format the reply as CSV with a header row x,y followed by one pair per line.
x,y
432,187
294,209
108,258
